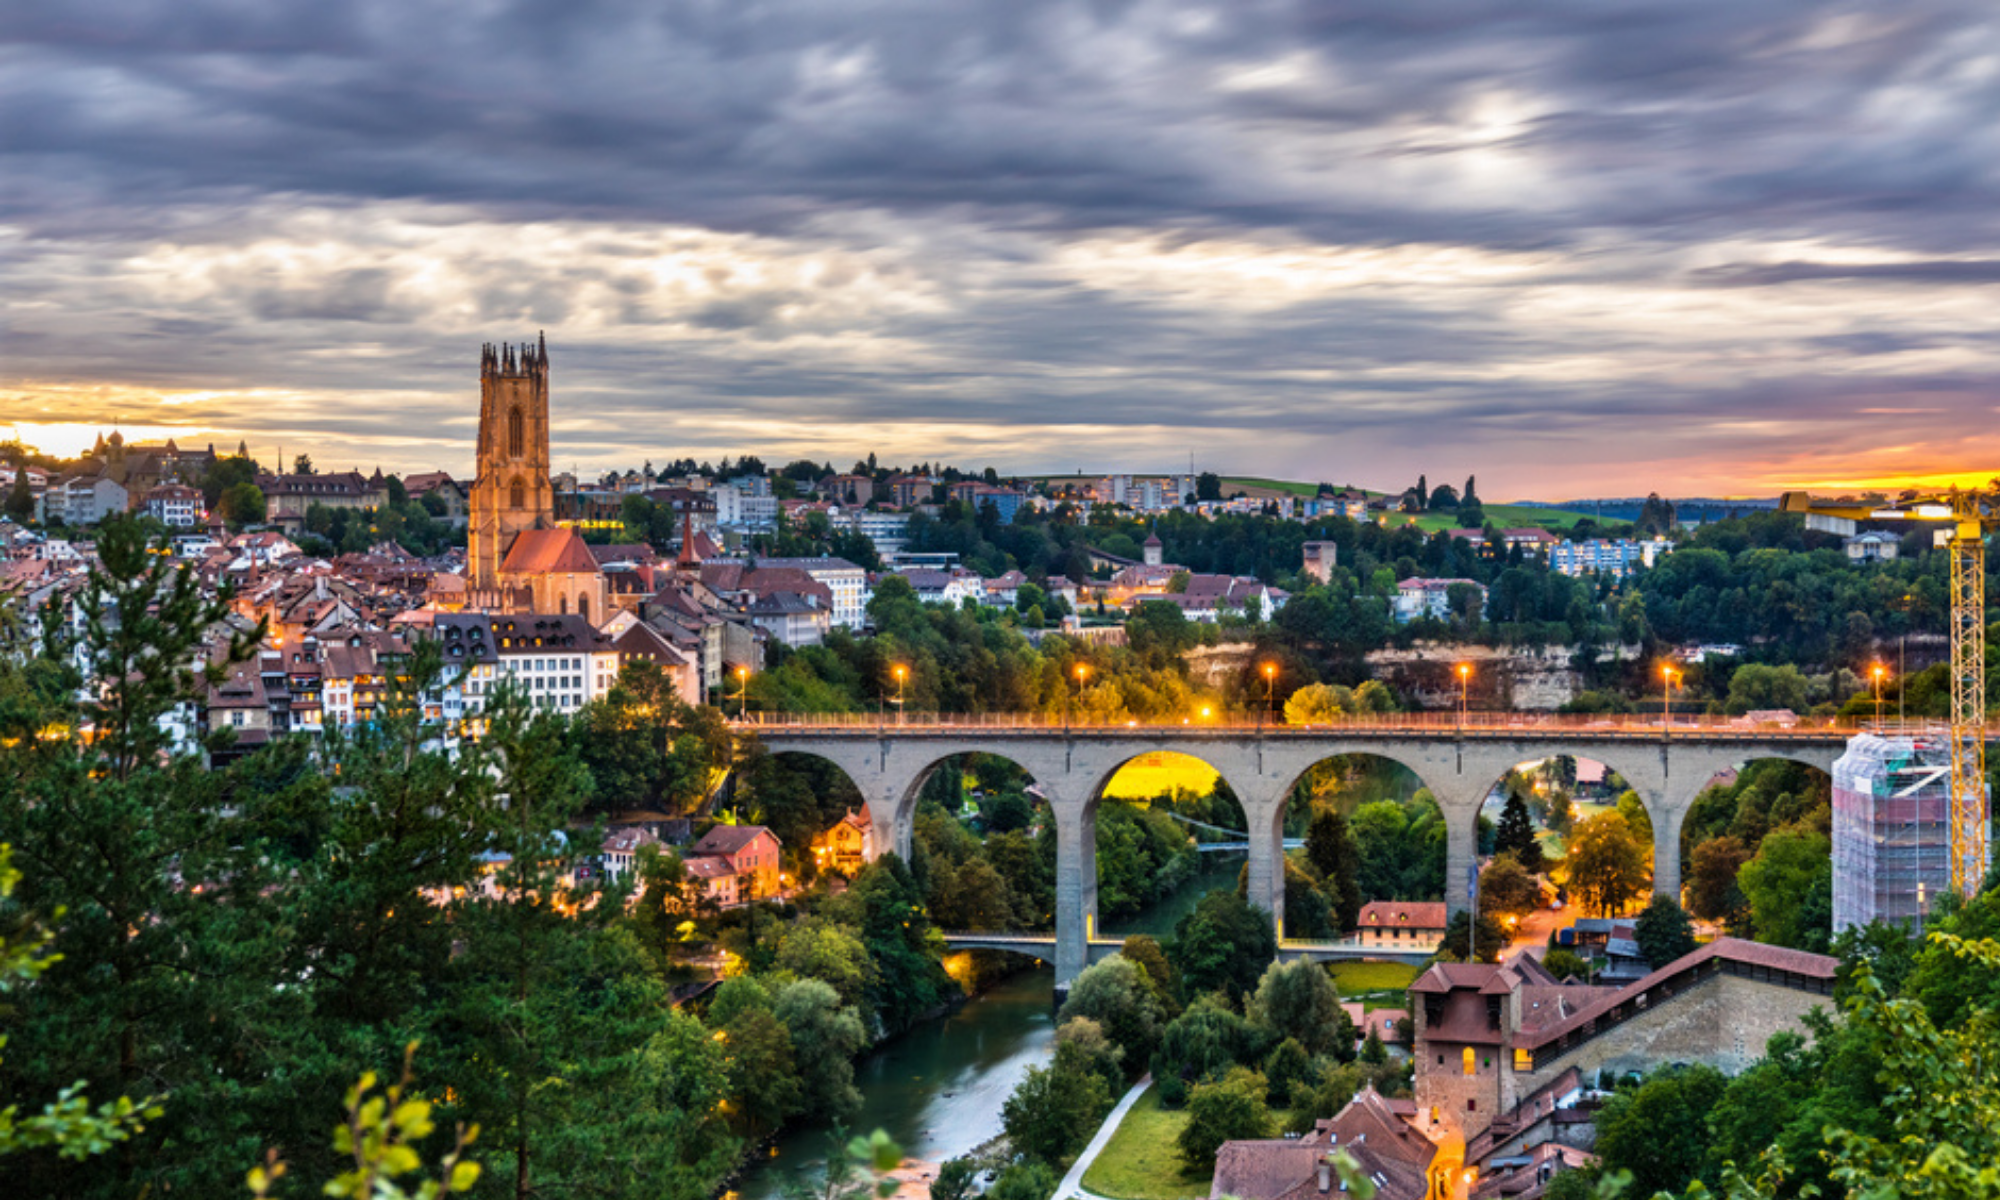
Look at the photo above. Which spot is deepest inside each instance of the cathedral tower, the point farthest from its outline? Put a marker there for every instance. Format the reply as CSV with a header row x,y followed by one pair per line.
x,y
512,492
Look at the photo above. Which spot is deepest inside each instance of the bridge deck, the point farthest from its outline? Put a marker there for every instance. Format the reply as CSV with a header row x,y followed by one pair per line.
x,y
1424,726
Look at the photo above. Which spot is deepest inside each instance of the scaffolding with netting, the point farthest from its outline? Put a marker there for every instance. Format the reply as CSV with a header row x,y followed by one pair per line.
x,y
1891,828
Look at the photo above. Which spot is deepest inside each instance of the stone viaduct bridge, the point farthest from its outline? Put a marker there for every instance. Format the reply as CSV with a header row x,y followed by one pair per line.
x,y
1458,760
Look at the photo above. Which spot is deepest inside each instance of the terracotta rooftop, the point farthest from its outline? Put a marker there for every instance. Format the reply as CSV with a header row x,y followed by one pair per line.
x,y
548,551
728,839
1816,967
1398,914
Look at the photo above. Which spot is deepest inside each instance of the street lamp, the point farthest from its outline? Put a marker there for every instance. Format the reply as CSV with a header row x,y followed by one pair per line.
x,y
1080,670
1464,683
1878,673
742,691
902,675
1271,690
1669,680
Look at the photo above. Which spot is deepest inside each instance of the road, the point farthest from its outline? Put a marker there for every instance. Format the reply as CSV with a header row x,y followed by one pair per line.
x,y
1072,1183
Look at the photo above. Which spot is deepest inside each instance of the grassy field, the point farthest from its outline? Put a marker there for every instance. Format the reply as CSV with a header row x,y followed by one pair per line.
x,y
1247,483
1507,516
1142,1162
1355,978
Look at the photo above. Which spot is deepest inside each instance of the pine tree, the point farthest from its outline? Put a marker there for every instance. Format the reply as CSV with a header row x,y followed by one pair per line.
x,y
1423,494
1516,835
20,501
1664,932
1470,498
164,980
565,1051
1331,849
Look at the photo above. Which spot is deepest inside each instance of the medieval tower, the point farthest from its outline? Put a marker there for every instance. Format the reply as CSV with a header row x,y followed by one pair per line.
x,y
512,492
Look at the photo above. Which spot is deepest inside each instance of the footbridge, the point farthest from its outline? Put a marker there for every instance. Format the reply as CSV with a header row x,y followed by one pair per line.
x,y
1459,759
1043,946
1240,837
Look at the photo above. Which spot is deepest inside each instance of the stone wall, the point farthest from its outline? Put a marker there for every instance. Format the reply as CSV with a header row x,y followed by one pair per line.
x,y
1723,1021
1503,677
1215,666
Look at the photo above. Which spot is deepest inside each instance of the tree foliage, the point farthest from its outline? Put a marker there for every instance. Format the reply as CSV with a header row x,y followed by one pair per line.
x,y
1664,932
1606,865
1229,1109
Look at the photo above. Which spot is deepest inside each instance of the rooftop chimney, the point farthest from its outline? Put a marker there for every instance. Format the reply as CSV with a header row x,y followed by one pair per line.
x,y
1325,1176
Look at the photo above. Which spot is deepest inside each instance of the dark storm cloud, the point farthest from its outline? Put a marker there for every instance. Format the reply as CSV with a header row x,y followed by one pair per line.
x,y
1935,271
219,194
756,114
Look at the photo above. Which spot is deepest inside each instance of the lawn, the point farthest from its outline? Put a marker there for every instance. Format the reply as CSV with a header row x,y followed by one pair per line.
x,y
1354,978
1507,516
1231,484
1142,1161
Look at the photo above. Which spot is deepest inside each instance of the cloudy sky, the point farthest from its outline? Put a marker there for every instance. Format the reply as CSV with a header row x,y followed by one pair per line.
x,y
1579,248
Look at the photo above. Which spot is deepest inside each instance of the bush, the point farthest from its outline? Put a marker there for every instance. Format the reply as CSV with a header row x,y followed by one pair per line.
x,y
1287,1068
1052,1114
1232,1108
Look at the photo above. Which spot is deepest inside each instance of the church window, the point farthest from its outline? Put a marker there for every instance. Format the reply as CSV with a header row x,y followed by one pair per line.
x,y
562,604
516,433
583,607
517,496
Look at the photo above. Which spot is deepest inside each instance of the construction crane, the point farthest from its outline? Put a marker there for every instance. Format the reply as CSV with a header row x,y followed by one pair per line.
x,y
1971,514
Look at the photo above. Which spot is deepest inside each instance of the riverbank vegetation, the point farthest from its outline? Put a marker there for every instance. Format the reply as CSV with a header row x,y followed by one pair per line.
x,y
1238,1046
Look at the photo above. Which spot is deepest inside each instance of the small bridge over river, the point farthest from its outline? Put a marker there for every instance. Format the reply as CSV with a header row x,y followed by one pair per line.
x,y
1458,758
1043,946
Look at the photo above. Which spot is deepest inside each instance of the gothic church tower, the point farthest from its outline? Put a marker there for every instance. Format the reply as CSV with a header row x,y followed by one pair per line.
x,y
512,492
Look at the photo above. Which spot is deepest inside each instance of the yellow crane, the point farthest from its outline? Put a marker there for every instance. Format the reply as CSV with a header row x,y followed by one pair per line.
x,y
1971,514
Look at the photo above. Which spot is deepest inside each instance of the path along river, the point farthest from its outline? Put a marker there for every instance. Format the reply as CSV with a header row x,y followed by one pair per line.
x,y
938,1088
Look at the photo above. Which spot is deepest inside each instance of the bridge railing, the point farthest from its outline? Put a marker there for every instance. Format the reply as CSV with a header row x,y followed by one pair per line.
x,y
1475,724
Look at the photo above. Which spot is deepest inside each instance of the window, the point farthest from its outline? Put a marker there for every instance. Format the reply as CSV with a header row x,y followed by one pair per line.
x,y
1524,1059
1471,1060
517,495
517,437
1471,1105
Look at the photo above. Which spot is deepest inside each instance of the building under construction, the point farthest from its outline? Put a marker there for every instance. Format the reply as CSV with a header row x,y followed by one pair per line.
x,y
1891,828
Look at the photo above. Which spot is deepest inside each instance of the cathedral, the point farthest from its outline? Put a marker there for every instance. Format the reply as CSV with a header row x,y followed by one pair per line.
x,y
517,558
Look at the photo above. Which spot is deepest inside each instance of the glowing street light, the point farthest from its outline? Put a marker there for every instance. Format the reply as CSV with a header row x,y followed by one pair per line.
x,y
1464,685
902,677
1879,672
1080,670
1271,690
742,691
1669,680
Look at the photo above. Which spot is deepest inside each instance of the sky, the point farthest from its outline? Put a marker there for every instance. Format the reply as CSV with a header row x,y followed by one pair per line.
x,y
1577,248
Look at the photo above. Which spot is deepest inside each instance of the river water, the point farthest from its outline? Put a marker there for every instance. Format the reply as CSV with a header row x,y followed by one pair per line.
x,y
938,1088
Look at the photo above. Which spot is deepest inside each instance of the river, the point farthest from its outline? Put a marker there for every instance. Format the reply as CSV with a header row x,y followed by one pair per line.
x,y
938,1088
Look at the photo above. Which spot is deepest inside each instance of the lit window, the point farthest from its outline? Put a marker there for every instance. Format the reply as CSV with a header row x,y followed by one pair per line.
x,y
1471,1061
1524,1059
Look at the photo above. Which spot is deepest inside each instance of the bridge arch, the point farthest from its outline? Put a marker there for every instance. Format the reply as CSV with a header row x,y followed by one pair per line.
x,y
802,795
1567,794
971,884
1745,802
1345,781
1197,790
